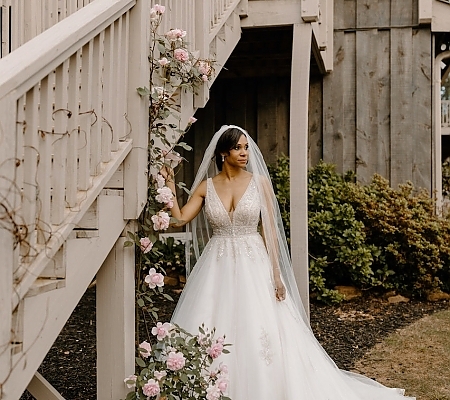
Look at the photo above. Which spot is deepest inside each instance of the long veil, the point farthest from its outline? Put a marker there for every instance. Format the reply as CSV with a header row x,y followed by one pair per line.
x,y
272,224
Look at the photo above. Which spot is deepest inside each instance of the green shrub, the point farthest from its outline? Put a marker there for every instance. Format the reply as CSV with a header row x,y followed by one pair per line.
x,y
370,236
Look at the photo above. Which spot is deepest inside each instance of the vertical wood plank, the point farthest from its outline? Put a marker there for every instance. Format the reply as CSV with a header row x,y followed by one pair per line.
x,y
366,13
333,87
123,123
299,164
86,116
110,95
315,108
9,197
30,189
349,102
422,109
384,13
60,144
401,97
383,163
73,129
367,100
135,189
349,12
45,163
97,104
115,322
267,121
402,13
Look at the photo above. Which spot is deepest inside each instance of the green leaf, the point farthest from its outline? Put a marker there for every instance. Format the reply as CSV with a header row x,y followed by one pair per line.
x,y
140,362
140,302
143,91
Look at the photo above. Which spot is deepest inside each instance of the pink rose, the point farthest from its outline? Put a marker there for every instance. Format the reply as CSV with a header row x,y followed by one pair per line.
x,y
213,393
204,78
164,195
161,330
160,221
223,368
175,361
172,158
192,120
151,388
160,374
160,181
181,55
159,9
154,279
175,34
222,384
146,244
169,204
130,381
215,350
204,68
163,61
147,348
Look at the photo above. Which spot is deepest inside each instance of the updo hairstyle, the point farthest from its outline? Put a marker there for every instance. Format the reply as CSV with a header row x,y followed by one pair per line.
x,y
226,142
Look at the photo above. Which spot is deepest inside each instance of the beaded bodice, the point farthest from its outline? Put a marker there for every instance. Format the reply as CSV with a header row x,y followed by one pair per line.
x,y
245,217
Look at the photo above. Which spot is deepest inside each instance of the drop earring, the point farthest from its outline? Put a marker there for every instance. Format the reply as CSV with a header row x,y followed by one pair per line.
x,y
223,158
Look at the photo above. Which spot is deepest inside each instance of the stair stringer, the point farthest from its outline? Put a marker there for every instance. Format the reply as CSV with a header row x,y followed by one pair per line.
x,y
43,316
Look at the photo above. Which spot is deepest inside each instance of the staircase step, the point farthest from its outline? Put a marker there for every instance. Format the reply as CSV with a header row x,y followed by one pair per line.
x,y
44,285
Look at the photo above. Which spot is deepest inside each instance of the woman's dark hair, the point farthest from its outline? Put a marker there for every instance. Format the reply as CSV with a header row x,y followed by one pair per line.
x,y
226,142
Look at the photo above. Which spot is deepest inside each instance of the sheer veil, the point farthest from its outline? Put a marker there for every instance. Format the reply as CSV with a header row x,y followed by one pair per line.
x,y
272,224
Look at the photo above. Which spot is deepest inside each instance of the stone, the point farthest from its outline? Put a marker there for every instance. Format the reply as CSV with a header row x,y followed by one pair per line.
x,y
397,299
350,292
438,295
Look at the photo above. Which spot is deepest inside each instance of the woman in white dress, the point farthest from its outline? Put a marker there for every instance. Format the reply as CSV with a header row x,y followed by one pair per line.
x,y
243,284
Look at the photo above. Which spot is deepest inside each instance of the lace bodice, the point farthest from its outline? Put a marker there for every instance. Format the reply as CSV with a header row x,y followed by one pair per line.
x,y
245,217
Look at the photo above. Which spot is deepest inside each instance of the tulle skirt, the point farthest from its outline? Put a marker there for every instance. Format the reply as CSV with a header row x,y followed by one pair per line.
x,y
274,355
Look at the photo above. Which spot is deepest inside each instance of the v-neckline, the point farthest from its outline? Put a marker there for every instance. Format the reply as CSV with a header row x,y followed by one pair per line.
x,y
237,204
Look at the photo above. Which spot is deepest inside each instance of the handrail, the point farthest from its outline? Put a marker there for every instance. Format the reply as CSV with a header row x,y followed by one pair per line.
x,y
44,53
21,20
64,114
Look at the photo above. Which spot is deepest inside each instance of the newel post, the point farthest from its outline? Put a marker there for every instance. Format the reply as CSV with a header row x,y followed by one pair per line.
x,y
301,51
8,202
135,165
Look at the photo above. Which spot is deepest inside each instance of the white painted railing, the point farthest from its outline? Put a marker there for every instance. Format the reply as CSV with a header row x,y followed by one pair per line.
x,y
21,20
63,113
445,117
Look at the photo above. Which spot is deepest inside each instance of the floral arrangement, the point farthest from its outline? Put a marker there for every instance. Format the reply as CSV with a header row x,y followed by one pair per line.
x,y
179,365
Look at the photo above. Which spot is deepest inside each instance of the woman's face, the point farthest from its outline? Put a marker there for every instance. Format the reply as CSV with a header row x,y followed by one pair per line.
x,y
238,155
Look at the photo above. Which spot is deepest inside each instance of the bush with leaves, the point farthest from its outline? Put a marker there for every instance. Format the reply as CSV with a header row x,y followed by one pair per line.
x,y
370,236
414,242
179,366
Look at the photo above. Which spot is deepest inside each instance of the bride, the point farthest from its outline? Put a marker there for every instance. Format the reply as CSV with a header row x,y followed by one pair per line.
x,y
243,283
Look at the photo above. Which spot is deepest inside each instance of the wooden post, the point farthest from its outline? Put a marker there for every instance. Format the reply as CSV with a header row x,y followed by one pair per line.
x,y
115,322
8,196
202,23
135,165
301,50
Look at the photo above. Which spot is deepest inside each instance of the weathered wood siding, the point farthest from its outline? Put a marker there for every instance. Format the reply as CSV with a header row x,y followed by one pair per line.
x,y
377,101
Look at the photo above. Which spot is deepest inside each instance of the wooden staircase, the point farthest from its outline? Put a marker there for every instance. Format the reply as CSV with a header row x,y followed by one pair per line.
x,y
73,161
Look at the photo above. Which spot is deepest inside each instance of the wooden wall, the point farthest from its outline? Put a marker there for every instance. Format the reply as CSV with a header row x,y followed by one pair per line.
x,y
373,113
252,91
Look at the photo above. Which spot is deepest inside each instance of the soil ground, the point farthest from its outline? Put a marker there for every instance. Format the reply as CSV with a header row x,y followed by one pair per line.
x,y
347,332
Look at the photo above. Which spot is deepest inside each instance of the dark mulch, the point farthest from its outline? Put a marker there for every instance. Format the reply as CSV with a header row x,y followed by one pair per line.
x,y
346,332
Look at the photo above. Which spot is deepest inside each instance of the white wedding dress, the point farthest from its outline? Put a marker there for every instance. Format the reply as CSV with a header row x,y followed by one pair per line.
x,y
274,354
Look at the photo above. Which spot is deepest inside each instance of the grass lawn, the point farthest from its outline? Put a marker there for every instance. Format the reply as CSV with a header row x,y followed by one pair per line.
x,y
416,358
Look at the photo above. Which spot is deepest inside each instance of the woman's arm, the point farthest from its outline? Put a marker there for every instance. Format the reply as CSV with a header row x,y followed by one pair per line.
x,y
191,208
280,290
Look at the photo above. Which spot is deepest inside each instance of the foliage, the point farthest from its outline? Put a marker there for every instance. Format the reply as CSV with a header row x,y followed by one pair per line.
x,y
370,236
279,174
178,366
446,178
169,256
